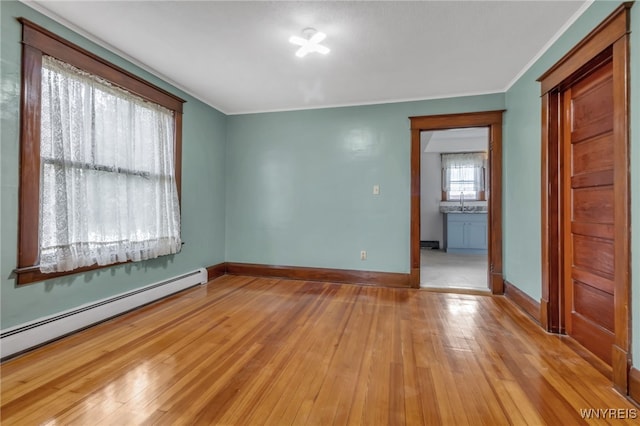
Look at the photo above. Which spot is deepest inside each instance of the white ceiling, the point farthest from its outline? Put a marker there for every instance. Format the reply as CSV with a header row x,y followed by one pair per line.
x,y
235,55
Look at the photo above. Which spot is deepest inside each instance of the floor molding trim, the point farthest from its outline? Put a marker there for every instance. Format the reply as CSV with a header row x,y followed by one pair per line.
x,y
453,290
383,279
634,385
215,271
523,301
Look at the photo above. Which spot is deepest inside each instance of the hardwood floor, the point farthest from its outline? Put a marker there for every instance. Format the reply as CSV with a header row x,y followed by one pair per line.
x,y
245,351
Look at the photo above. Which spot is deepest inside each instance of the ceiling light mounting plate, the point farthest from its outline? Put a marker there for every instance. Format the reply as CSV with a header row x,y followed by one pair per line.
x,y
309,32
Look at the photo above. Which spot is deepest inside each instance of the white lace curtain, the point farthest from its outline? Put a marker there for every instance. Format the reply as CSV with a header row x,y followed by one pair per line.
x,y
463,172
108,190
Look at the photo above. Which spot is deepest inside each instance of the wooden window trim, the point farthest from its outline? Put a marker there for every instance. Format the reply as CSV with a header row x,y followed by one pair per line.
x,y
37,41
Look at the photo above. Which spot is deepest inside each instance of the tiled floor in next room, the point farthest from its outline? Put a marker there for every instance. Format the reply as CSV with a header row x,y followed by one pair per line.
x,y
450,270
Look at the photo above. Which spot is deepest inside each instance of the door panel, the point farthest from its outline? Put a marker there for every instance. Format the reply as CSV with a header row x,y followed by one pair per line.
x,y
605,284
593,154
592,336
589,119
593,205
592,109
601,230
590,300
593,255
599,178
588,211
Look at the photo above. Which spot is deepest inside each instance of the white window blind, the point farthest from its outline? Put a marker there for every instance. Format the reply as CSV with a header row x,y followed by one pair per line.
x,y
108,188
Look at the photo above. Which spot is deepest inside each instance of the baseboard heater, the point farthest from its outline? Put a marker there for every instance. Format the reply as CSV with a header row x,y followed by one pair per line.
x,y
18,339
430,244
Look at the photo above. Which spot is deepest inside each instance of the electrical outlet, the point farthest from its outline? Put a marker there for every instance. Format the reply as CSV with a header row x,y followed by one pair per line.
x,y
363,255
376,189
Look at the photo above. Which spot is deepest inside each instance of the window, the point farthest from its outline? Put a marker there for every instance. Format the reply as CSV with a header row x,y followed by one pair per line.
x,y
463,176
100,162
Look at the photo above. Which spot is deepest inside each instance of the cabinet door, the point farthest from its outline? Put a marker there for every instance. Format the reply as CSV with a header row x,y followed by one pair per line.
x,y
455,235
475,234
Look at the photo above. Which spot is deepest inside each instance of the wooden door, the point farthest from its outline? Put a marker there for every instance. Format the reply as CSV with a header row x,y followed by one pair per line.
x,y
588,211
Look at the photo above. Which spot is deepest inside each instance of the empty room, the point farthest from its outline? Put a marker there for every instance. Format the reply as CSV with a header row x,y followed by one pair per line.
x,y
319,212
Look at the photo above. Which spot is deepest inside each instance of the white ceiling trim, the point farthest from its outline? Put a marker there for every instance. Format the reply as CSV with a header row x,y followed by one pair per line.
x,y
60,20
550,43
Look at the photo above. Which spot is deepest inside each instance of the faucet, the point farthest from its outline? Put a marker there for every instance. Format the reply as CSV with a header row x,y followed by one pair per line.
x,y
461,201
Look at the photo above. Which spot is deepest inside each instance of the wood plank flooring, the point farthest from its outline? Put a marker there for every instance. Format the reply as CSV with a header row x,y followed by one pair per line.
x,y
250,351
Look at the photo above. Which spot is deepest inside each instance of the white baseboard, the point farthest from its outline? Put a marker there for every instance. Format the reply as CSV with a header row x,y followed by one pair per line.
x,y
34,333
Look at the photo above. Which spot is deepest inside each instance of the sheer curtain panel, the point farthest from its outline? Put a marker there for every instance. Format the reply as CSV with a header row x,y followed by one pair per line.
x,y
463,172
108,188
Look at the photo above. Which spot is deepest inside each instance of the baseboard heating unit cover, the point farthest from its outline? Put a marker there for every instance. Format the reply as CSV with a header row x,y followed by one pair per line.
x,y
17,339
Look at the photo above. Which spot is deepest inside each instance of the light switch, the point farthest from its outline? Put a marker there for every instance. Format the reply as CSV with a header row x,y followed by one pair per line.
x,y
376,189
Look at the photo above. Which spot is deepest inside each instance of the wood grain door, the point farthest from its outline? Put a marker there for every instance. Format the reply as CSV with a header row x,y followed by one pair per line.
x,y
588,211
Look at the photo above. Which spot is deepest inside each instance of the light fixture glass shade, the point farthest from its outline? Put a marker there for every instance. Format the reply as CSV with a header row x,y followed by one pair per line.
x,y
298,40
317,37
303,51
322,49
309,44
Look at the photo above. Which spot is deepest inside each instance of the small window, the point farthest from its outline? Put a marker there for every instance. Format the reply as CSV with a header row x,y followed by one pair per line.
x,y
463,176
100,153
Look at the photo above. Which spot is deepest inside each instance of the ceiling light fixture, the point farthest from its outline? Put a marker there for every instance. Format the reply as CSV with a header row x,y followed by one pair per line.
x,y
310,42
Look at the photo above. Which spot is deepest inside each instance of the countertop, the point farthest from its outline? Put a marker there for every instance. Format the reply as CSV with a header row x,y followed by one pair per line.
x,y
467,209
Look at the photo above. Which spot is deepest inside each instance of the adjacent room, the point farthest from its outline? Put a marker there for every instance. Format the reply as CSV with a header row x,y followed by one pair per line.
x,y
453,209
314,212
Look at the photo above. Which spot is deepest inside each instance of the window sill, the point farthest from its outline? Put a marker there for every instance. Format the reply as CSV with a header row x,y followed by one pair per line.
x,y
32,274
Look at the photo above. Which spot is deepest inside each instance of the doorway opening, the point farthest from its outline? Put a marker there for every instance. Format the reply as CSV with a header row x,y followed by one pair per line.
x,y
454,182
492,121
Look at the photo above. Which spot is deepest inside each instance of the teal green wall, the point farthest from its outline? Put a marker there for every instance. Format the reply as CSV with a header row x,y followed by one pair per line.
x,y
203,228
299,184
522,150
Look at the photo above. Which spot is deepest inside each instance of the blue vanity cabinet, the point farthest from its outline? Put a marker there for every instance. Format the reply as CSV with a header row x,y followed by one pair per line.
x,y
465,233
